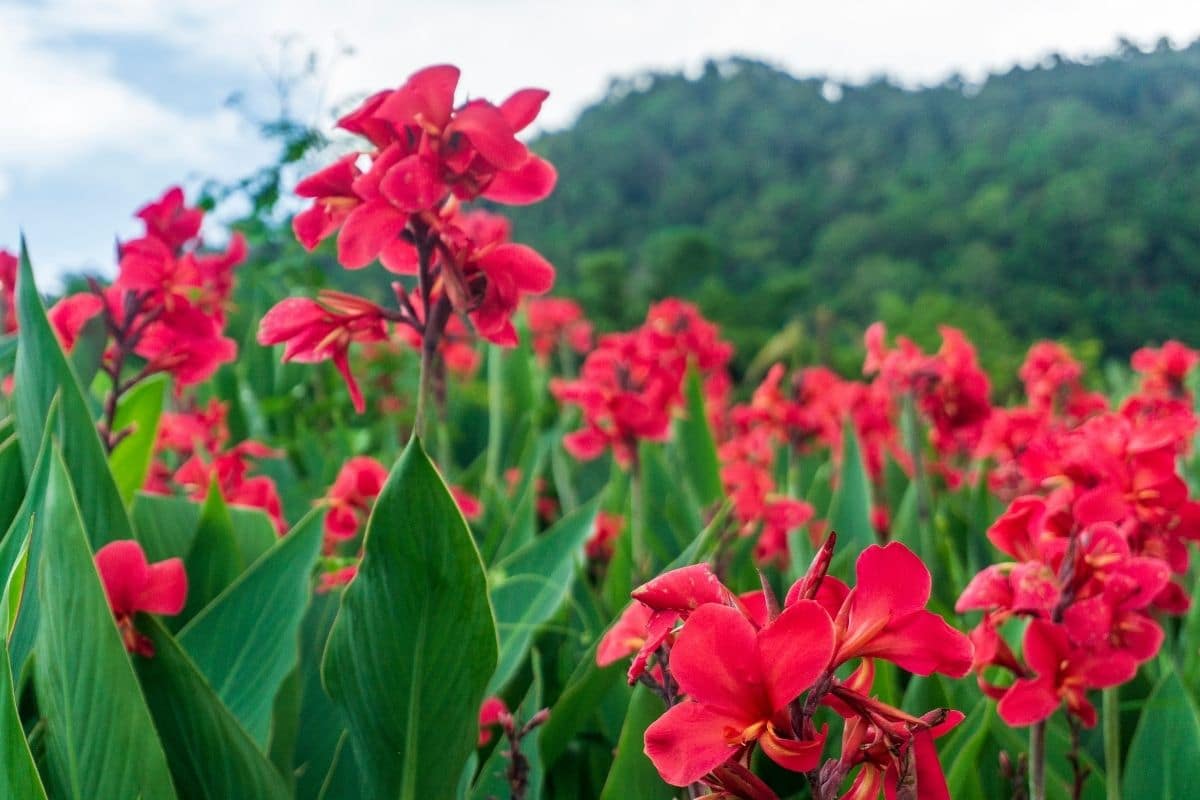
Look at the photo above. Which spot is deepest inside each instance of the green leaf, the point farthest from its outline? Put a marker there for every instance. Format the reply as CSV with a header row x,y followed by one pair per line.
x,y
246,642
18,773
531,584
632,774
697,446
214,559
211,755
166,526
139,411
850,508
414,642
577,704
1165,750
960,754
42,371
12,481
100,740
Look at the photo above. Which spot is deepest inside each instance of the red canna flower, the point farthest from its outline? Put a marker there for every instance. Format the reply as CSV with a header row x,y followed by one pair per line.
x,y
170,221
739,682
8,285
626,636
556,321
490,714
884,615
70,314
358,483
133,585
1063,673
468,503
607,530
315,331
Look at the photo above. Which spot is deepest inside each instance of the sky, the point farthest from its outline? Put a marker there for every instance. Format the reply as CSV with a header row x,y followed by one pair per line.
x,y
105,103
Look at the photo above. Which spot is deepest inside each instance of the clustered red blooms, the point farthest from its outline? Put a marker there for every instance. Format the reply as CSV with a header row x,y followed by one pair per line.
x,y
605,533
348,503
734,671
168,303
1103,521
132,585
632,383
399,201
192,452
556,322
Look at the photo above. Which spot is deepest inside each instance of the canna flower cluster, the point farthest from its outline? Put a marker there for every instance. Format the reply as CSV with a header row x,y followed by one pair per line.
x,y
398,201
192,452
557,323
167,306
1094,550
740,672
8,287
631,384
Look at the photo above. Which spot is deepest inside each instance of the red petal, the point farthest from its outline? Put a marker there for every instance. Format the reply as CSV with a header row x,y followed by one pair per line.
x,y
688,742
413,184
891,581
1046,646
715,660
532,181
490,134
792,754
522,107
428,92
1029,701
369,228
684,589
528,270
794,650
400,257
923,643
342,362
166,590
124,573
336,180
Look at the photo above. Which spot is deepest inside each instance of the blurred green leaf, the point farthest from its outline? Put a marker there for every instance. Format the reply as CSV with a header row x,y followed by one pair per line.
x,y
696,445
632,774
139,411
213,560
1165,750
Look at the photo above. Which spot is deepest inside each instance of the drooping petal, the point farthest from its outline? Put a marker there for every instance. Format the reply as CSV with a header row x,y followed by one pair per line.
x,y
891,581
1029,701
413,184
534,180
526,267
684,589
490,134
689,741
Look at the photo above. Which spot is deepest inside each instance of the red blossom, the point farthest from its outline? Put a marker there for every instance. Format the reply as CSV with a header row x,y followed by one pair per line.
x,y
739,682
133,585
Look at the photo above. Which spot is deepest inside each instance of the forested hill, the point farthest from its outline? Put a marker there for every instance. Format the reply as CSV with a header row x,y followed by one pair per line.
x,y
1062,201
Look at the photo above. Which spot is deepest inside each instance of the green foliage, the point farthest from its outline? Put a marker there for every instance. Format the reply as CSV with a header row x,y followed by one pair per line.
x,y
414,643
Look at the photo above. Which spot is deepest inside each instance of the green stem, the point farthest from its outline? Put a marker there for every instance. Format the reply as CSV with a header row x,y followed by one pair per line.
x,y
637,524
1037,761
1111,709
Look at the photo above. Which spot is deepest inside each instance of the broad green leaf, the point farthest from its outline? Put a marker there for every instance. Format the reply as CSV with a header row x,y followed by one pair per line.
x,y
214,559
246,641
493,778
414,642
529,586
211,755
166,526
18,774
696,444
100,740
41,372
1165,750
632,774
960,754
139,412
670,515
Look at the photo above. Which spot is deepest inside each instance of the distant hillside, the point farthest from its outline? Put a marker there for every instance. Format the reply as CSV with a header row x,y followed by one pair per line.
x,y
1057,201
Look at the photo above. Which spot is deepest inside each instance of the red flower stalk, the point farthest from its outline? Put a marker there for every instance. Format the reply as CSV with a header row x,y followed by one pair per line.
x,y
739,682
133,585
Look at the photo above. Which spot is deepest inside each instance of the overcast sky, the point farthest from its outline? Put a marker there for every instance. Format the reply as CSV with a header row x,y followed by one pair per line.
x,y
103,103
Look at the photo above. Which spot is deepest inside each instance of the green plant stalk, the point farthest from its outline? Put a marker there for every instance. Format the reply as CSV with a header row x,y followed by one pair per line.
x,y
1037,761
1111,710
